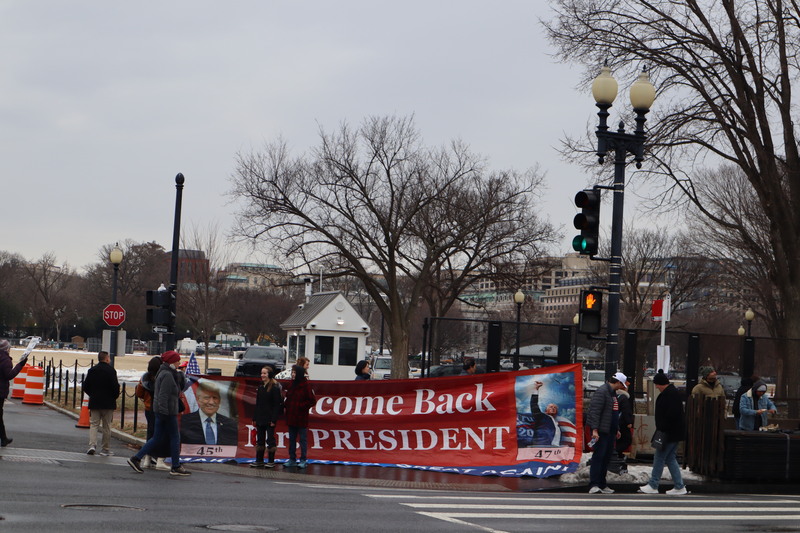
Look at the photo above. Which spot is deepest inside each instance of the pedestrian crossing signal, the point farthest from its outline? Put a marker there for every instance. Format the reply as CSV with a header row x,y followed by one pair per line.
x,y
590,312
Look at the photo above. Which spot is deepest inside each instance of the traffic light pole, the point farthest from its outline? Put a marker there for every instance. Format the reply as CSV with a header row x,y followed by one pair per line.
x,y
173,270
621,143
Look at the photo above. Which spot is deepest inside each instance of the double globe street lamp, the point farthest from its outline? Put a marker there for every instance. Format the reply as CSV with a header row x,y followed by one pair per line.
x,y
115,256
519,299
642,96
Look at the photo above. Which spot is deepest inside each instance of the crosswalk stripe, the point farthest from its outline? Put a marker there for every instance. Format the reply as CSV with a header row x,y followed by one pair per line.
x,y
553,516
615,508
601,500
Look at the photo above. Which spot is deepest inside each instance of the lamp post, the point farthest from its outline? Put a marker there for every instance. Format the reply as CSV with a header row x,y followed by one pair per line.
x,y
115,256
749,315
748,345
519,299
575,321
642,96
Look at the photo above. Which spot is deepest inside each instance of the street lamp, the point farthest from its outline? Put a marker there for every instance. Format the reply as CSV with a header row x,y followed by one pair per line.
x,y
749,315
519,299
642,96
575,321
115,256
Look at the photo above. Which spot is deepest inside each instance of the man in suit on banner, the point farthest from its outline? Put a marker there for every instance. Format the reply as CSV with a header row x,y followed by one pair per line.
x,y
206,425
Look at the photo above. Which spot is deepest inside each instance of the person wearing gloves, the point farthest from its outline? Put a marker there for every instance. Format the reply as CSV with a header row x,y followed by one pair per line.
x,y
166,399
754,406
8,371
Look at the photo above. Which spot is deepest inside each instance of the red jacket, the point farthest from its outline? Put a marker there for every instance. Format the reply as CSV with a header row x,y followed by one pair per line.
x,y
299,399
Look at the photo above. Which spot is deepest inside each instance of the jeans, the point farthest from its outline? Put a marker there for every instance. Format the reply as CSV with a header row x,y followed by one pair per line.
x,y
666,455
166,427
3,435
600,459
294,433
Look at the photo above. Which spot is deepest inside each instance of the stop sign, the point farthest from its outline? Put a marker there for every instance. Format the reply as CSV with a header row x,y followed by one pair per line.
x,y
114,315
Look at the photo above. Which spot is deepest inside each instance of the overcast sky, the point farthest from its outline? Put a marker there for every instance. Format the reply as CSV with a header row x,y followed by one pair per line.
x,y
103,103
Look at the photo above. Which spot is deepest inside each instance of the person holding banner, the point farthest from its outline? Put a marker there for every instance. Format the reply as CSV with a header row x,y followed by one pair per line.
x,y
7,373
299,400
603,419
269,406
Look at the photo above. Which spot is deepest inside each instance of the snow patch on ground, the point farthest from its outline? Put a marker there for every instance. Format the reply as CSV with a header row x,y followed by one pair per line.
x,y
637,473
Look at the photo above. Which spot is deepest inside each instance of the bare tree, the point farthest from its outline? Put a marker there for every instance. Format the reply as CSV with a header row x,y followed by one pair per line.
x,y
47,285
725,73
376,204
12,305
203,296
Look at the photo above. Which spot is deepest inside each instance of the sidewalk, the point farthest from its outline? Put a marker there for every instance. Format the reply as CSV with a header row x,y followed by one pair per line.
x,y
33,427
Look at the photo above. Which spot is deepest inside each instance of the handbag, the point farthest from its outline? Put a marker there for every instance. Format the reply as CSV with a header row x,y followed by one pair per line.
x,y
658,440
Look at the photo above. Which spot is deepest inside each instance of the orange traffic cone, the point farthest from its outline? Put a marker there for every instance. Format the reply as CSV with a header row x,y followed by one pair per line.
x,y
18,385
83,421
34,386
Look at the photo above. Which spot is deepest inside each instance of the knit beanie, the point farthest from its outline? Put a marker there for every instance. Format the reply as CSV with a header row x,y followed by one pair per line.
x,y
705,371
5,346
760,386
661,378
171,357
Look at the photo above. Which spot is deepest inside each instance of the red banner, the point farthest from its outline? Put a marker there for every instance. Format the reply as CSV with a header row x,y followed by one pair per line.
x,y
509,424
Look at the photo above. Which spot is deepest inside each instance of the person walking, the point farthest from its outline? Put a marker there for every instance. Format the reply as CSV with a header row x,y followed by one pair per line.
x,y
363,371
269,406
144,391
166,400
626,420
299,399
102,387
754,406
671,422
8,371
603,421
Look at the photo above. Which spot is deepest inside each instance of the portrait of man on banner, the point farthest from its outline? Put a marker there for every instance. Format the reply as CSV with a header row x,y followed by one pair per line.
x,y
546,416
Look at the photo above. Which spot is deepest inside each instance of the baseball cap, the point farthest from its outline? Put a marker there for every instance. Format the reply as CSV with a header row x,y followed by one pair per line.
x,y
622,378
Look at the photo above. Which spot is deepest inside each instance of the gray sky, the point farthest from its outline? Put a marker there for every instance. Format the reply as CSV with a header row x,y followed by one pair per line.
x,y
102,103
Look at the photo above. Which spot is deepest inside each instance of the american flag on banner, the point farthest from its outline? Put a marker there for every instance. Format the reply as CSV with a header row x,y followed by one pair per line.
x,y
192,367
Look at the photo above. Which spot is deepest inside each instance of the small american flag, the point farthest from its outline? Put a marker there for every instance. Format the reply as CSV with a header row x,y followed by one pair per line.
x,y
193,367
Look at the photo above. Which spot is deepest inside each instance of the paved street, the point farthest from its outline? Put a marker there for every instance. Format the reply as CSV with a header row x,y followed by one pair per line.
x,y
50,484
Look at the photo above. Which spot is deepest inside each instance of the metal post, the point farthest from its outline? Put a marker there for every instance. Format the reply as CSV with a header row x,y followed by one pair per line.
x,y
112,352
173,271
615,267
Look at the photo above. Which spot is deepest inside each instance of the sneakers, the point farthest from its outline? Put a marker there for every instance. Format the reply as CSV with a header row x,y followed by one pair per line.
x,y
647,489
256,465
91,450
106,453
134,462
607,490
147,462
161,465
595,490
290,463
302,464
269,465
6,442
677,492
179,471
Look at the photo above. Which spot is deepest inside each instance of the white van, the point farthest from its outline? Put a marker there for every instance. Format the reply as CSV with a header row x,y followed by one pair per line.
x,y
592,379
381,367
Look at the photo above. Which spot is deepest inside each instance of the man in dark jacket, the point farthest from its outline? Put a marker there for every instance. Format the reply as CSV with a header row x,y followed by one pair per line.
x,y
102,387
603,419
8,371
671,422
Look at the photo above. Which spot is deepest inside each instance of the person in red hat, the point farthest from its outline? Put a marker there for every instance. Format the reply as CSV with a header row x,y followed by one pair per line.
x,y
166,401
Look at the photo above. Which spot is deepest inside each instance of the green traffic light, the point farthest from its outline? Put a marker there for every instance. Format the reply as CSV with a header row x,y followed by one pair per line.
x,y
578,243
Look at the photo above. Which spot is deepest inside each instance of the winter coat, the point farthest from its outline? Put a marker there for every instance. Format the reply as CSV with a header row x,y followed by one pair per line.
x,y
167,392
626,417
601,409
669,414
8,371
269,404
299,399
704,389
145,389
102,386
747,411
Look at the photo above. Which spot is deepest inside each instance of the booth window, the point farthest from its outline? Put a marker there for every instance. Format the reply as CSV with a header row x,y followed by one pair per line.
x,y
297,347
348,351
323,350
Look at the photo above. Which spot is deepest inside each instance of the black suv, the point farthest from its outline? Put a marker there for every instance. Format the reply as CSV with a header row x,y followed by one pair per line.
x,y
255,357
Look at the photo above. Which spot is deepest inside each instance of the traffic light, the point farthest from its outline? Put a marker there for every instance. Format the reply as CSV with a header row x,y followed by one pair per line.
x,y
162,312
588,221
590,311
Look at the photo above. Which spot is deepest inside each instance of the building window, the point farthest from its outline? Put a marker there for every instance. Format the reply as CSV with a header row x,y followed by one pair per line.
x,y
323,350
297,347
348,351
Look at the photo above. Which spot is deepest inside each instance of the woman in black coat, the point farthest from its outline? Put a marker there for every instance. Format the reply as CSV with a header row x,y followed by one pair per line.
x,y
269,404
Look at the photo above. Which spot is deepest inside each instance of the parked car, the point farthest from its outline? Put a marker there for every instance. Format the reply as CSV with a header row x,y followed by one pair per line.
x,y
438,371
731,383
255,357
592,379
381,367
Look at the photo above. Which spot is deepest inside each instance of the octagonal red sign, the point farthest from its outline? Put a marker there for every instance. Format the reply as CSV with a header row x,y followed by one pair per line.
x,y
113,315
